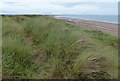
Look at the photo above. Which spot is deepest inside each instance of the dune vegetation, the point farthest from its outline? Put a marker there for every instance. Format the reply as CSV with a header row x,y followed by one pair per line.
x,y
41,47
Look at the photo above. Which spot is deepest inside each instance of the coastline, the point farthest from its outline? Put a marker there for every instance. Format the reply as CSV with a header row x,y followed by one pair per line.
x,y
109,28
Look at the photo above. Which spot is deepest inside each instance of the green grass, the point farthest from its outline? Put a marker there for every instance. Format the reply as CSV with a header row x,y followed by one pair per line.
x,y
40,47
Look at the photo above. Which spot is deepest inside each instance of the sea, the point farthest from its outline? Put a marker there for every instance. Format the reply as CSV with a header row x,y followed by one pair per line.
x,y
101,18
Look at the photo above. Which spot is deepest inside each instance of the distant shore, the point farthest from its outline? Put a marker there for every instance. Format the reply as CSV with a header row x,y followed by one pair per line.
x,y
108,28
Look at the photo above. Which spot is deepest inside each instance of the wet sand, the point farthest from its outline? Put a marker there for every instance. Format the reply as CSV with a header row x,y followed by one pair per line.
x,y
108,28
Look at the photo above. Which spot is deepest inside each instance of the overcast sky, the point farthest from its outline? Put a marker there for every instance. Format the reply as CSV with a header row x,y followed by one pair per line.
x,y
79,7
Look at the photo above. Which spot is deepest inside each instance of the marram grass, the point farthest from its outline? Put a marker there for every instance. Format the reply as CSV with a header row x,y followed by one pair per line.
x,y
40,47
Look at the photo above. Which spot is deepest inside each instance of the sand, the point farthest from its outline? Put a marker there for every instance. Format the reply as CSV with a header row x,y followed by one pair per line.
x,y
108,28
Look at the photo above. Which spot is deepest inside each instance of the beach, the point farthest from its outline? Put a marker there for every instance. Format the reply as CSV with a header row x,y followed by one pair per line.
x,y
108,28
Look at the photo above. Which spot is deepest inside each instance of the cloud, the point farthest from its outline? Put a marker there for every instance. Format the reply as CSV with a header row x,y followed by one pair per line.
x,y
59,6
59,0
10,3
86,7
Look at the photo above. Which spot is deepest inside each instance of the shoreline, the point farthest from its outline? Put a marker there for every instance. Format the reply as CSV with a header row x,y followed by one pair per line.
x,y
109,28
89,20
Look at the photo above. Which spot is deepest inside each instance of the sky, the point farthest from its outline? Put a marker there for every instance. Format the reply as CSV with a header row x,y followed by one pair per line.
x,y
59,7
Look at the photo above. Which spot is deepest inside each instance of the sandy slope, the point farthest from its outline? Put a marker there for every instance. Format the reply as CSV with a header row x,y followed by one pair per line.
x,y
94,25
